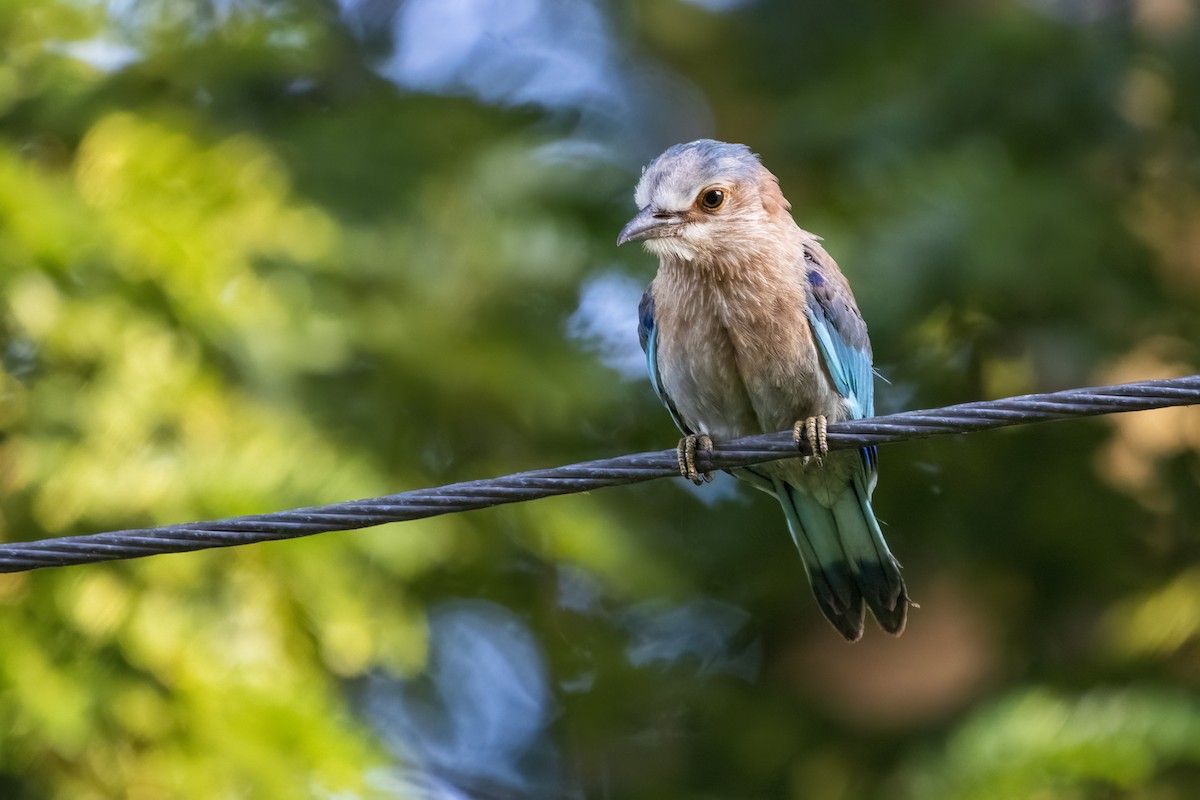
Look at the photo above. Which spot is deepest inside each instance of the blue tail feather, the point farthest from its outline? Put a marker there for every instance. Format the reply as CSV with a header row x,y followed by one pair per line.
x,y
846,558
814,531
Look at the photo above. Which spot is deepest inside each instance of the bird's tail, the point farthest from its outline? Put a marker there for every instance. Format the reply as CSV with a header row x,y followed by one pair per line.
x,y
846,558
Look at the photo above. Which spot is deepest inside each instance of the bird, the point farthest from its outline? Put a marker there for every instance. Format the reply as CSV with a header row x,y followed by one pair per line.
x,y
749,327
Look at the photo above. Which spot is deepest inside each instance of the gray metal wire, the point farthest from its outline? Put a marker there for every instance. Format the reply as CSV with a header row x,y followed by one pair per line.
x,y
963,418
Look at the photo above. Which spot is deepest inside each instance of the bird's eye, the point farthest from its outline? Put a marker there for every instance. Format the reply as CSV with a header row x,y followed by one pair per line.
x,y
712,199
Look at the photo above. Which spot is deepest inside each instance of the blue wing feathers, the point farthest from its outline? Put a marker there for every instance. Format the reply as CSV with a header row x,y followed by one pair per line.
x,y
646,322
648,337
841,337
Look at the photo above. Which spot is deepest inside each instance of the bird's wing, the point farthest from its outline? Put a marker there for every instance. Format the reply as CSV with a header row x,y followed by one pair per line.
x,y
841,335
648,336
842,543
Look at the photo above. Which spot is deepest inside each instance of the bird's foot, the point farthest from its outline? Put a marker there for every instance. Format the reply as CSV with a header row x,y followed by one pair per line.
x,y
813,432
687,458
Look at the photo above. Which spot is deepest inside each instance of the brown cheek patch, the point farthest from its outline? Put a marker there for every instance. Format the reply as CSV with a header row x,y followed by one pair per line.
x,y
772,197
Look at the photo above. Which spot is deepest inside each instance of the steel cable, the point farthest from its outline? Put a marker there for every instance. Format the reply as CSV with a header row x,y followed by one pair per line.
x,y
582,477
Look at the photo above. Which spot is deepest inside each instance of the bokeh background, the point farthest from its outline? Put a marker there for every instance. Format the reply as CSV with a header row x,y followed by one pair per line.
x,y
259,254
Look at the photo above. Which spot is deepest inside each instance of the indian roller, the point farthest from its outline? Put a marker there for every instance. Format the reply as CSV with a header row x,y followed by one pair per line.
x,y
750,327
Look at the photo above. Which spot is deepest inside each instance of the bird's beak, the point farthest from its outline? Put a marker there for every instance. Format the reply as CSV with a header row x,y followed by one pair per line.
x,y
649,224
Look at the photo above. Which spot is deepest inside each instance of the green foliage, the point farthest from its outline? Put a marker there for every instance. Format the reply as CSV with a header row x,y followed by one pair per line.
x,y
1036,742
242,271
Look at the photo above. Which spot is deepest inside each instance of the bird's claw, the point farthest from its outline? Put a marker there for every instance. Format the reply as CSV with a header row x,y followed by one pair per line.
x,y
813,432
687,458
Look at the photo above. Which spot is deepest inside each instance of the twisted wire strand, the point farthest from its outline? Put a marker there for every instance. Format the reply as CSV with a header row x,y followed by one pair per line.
x,y
582,477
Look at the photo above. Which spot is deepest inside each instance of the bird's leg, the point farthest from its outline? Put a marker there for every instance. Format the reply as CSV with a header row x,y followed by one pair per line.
x,y
687,457
812,431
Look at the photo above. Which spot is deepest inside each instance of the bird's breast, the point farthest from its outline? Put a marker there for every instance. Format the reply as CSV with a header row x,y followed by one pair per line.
x,y
737,356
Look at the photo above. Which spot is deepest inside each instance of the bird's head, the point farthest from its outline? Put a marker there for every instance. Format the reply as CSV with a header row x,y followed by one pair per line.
x,y
706,199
